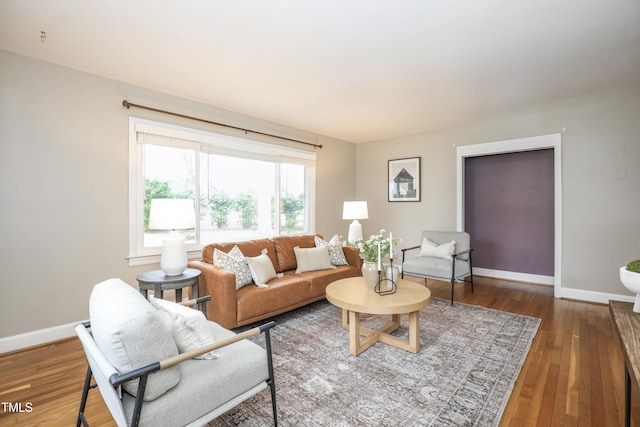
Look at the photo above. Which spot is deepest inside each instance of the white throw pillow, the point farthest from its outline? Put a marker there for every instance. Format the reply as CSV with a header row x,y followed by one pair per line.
x,y
431,249
336,254
189,327
261,269
235,262
312,259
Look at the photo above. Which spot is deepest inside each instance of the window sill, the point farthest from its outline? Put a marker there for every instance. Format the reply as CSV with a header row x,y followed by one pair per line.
x,y
136,260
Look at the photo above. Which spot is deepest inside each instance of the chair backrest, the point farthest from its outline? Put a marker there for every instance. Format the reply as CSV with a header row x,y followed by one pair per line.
x,y
463,240
102,370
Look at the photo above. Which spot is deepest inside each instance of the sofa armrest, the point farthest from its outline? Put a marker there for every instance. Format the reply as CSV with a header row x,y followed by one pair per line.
x,y
221,285
352,254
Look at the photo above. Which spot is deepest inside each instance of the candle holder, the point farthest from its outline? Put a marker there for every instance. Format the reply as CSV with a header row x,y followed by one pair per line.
x,y
390,285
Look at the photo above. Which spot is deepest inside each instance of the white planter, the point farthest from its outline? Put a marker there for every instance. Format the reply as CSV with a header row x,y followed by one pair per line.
x,y
370,274
631,281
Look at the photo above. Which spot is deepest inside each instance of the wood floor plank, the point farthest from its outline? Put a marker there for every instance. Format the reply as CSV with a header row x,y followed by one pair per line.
x,y
573,374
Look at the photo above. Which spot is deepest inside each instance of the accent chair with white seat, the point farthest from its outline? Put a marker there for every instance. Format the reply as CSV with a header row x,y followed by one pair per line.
x,y
163,364
442,255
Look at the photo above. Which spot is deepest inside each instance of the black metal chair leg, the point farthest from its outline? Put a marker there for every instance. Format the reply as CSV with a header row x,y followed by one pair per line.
x,y
452,289
83,401
272,383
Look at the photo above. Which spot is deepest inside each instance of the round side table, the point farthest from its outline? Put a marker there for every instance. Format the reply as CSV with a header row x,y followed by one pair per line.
x,y
160,282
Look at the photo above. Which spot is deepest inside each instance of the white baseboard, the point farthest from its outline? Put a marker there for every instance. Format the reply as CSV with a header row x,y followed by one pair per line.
x,y
571,293
592,296
42,336
518,277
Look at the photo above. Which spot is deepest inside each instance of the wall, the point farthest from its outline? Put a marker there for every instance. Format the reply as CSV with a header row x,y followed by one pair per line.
x,y
64,188
600,185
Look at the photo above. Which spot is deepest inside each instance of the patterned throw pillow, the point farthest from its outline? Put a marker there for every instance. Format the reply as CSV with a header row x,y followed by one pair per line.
x,y
235,262
336,254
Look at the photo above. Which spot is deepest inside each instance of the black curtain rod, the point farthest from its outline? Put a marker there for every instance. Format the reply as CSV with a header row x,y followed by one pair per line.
x,y
128,104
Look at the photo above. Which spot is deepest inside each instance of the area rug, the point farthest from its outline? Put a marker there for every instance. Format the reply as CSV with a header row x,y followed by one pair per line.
x,y
465,371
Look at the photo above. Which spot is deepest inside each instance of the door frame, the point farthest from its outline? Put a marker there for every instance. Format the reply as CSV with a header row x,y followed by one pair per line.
x,y
553,141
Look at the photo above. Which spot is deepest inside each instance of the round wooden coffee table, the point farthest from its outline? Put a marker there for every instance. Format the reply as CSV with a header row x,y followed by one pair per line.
x,y
353,297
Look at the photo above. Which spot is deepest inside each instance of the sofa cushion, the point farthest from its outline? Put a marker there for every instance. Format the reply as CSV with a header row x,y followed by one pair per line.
x,y
434,267
320,279
235,262
336,254
261,269
189,327
312,259
284,250
248,248
131,334
282,295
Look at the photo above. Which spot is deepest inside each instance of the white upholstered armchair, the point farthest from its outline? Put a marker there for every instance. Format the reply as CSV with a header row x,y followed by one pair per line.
x,y
163,364
442,255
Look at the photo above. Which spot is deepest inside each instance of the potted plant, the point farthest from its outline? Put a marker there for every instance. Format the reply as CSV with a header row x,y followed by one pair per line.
x,y
369,253
630,278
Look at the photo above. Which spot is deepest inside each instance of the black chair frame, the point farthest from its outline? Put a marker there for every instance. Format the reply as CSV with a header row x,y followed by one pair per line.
x,y
453,269
143,373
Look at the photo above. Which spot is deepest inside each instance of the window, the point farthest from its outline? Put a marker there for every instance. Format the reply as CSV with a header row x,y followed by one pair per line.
x,y
244,189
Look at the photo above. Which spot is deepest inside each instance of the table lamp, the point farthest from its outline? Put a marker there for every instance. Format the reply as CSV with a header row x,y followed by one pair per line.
x,y
172,214
355,211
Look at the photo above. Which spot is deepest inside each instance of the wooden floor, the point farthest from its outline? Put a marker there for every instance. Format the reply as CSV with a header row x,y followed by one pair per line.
x,y
572,376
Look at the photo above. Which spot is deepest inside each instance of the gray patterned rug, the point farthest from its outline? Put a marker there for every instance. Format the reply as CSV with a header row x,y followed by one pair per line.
x,y
468,362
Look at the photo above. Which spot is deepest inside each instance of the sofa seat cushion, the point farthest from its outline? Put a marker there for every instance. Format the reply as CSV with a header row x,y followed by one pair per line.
x,y
201,380
319,280
131,334
434,267
282,292
286,258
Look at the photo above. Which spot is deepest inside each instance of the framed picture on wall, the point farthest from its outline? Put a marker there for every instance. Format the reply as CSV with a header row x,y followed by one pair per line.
x,y
404,180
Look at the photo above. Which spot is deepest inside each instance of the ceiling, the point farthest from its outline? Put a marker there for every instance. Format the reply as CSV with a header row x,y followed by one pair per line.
x,y
356,70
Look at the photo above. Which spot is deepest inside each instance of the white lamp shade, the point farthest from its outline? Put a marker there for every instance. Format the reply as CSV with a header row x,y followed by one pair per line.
x,y
355,210
171,214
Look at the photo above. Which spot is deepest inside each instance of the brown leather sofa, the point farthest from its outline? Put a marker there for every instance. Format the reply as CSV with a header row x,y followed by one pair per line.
x,y
232,308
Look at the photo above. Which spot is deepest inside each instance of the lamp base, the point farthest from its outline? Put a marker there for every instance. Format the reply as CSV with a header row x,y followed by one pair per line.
x,y
173,260
355,231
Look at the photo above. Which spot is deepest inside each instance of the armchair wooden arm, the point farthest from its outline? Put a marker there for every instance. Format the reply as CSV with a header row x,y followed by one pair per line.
x,y
408,249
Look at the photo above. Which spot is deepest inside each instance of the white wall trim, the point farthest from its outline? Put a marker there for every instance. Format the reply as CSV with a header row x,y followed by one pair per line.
x,y
592,296
553,141
570,293
41,336
511,275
